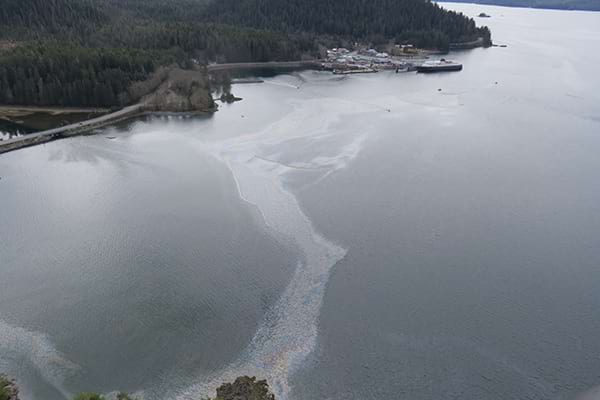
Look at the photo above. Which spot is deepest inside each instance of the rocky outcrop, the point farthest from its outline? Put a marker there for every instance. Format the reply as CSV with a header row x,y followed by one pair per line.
x,y
181,91
229,98
8,389
245,388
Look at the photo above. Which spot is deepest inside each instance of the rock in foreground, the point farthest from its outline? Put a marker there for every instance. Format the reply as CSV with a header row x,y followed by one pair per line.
x,y
245,388
8,389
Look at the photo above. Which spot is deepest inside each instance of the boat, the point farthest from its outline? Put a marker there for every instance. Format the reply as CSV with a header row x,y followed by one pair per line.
x,y
354,71
439,66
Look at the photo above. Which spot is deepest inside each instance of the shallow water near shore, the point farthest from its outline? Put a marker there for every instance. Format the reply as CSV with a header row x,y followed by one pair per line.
x,y
21,122
366,237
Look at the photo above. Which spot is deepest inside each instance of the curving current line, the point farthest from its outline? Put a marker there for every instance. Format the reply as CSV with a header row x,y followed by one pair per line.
x,y
36,349
259,164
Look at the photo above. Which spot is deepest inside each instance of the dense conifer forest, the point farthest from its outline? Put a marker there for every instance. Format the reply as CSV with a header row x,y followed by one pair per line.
x,y
88,52
424,22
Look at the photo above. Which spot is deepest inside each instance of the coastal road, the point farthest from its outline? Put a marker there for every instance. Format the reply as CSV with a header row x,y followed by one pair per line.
x,y
68,130
269,64
78,128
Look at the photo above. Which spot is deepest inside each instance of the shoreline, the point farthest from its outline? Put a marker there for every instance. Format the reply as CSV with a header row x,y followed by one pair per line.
x,y
136,110
53,110
316,63
133,111
76,129
31,119
87,127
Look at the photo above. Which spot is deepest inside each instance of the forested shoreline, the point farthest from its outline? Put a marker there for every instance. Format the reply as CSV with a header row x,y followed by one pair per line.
x,y
89,52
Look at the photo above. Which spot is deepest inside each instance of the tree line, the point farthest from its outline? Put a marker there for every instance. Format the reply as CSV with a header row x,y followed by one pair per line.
x,y
423,21
53,74
88,52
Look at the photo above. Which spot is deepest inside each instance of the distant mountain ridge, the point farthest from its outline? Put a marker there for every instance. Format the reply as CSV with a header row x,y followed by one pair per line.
x,y
420,21
584,5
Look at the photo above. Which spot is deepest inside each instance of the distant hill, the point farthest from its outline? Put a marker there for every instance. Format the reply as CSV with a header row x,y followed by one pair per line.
x,y
420,20
586,5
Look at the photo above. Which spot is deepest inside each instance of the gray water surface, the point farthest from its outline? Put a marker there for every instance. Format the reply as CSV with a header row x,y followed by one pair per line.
x,y
368,237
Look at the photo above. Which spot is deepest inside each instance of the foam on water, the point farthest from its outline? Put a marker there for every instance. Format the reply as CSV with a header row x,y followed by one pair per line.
x,y
19,345
288,331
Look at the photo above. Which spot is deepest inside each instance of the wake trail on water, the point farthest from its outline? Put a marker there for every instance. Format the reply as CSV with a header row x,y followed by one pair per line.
x,y
287,333
37,351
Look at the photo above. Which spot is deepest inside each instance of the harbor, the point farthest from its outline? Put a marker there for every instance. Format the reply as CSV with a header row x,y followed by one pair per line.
x,y
400,58
340,61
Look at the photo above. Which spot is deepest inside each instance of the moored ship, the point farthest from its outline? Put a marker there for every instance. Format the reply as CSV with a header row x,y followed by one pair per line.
x,y
439,66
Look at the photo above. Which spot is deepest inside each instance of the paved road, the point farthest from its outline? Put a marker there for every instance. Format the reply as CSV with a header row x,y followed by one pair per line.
x,y
73,129
80,125
67,130
269,64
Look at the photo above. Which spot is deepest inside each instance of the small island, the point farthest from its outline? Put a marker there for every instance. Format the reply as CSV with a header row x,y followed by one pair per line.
x,y
484,15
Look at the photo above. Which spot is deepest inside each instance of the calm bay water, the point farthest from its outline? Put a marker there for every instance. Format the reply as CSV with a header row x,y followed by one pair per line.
x,y
367,237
